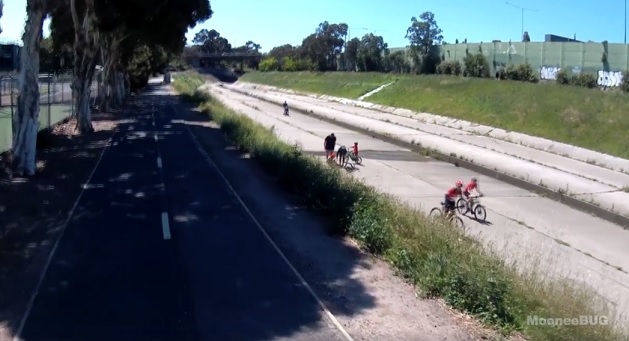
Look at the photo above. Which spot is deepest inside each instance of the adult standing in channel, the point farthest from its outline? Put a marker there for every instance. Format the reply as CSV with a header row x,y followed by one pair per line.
x,y
328,144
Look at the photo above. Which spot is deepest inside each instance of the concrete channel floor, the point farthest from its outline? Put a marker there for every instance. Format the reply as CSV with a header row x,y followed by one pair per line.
x,y
521,226
583,180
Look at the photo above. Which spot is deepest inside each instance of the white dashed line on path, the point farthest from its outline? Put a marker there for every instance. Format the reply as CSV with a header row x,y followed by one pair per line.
x,y
165,226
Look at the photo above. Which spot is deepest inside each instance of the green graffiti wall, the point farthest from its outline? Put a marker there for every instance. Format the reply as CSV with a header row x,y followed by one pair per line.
x,y
606,61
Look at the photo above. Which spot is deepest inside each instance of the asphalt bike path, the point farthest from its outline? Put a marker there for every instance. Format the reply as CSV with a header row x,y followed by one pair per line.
x,y
112,275
237,277
160,248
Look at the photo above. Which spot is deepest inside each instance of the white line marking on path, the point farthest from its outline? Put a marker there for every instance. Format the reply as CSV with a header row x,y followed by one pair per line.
x,y
165,226
29,306
211,162
90,186
162,184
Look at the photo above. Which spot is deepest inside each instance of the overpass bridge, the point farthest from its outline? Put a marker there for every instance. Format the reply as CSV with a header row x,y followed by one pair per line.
x,y
204,59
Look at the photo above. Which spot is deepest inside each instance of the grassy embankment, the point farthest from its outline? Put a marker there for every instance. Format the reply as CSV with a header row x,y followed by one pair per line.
x,y
434,256
588,118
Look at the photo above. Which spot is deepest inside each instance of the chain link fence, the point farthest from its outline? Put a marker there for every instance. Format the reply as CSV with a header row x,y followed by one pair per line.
x,y
55,102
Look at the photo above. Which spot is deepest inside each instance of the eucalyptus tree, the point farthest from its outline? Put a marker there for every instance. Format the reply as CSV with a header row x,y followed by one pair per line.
x,y
371,52
96,29
423,35
323,46
26,121
103,32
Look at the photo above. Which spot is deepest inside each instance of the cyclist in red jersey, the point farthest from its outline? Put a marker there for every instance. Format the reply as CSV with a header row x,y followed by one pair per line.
x,y
451,196
473,185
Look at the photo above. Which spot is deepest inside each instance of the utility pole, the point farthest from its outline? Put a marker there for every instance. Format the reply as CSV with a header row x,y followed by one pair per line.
x,y
523,9
354,28
625,21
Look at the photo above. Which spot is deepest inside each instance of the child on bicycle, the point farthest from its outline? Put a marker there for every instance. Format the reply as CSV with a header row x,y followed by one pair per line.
x,y
451,195
473,185
355,149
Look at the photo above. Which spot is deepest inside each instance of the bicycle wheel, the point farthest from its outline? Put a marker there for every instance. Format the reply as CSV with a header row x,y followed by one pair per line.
x,y
461,206
458,222
480,213
359,160
348,163
435,213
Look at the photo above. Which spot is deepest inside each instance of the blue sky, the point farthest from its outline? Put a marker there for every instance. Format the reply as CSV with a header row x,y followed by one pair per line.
x,y
275,22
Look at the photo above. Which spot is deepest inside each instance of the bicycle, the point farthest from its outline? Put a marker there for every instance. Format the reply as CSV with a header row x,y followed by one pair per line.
x,y
479,211
355,158
346,162
452,217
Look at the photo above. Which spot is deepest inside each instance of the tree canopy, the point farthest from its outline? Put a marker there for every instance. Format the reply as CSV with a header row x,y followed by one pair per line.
x,y
131,39
211,42
424,32
328,48
124,25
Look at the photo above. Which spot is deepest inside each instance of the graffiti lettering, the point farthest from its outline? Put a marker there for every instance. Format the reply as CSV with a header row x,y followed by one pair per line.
x,y
548,73
609,78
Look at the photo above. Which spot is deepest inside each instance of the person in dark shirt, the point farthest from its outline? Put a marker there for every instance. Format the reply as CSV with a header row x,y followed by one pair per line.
x,y
328,144
285,108
341,155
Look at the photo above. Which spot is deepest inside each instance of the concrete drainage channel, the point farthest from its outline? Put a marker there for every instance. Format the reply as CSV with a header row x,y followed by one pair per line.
x,y
575,203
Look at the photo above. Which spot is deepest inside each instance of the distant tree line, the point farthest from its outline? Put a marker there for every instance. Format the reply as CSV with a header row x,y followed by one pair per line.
x,y
211,42
328,49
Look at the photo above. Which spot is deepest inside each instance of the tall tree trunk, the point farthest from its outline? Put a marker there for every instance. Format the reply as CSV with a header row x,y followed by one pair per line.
x,y
26,121
119,88
85,57
83,84
105,95
108,58
102,82
116,99
127,85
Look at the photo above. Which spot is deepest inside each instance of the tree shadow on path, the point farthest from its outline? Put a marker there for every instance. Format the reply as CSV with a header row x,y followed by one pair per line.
x,y
114,275
33,209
